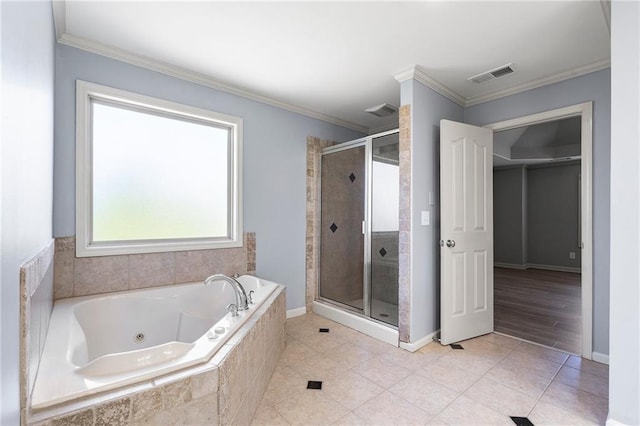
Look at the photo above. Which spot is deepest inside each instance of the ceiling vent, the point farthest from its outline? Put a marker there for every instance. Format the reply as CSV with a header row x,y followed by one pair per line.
x,y
382,110
491,74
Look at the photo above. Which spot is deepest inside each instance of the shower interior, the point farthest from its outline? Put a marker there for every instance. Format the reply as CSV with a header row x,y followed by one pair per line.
x,y
359,200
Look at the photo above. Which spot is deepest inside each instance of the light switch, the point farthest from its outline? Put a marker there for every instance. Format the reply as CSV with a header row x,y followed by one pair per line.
x,y
426,218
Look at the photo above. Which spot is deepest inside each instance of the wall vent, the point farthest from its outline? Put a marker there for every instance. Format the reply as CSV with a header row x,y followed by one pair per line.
x,y
491,74
382,110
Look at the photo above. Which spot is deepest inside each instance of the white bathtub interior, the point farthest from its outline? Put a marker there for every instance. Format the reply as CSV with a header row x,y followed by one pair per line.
x,y
97,343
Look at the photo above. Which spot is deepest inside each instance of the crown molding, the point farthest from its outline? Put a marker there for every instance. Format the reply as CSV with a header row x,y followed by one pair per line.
x,y
194,77
417,73
414,73
59,17
555,78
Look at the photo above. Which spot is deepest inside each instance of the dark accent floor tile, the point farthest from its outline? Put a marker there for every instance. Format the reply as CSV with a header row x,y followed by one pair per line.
x,y
324,330
456,346
522,421
312,384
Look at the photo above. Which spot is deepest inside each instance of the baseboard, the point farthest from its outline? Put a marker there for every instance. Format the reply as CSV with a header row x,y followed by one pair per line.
x,y
611,422
538,266
296,312
509,265
601,358
423,341
555,268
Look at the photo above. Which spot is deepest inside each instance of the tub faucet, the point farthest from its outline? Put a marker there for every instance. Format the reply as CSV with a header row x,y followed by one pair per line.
x,y
241,295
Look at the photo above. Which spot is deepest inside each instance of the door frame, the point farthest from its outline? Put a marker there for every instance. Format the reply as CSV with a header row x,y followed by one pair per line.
x,y
585,111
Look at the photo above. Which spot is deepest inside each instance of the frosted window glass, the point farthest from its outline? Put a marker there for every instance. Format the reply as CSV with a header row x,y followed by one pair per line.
x,y
385,197
157,178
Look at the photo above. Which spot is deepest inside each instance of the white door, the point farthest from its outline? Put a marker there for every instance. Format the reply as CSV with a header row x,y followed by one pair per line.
x,y
466,231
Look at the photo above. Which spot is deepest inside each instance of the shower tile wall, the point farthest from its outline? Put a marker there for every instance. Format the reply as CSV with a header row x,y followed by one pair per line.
x,y
342,213
312,251
82,276
384,266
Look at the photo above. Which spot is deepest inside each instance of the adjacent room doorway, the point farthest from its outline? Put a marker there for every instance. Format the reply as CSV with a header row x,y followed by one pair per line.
x,y
556,250
466,294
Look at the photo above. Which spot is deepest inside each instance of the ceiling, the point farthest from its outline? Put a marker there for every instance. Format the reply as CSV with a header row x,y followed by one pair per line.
x,y
551,141
332,60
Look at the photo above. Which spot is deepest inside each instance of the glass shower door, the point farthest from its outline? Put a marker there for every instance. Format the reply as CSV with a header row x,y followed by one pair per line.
x,y
342,242
385,205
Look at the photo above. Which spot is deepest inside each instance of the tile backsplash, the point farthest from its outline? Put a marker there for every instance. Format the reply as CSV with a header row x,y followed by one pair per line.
x,y
82,276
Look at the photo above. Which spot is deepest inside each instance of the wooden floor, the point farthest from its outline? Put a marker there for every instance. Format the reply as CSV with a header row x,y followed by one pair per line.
x,y
539,306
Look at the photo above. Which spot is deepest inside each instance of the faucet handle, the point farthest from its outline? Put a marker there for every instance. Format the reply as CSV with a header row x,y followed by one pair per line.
x,y
251,296
233,308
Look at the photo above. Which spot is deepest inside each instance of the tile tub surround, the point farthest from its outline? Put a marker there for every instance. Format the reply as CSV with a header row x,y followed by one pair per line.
x,y
367,382
226,390
83,276
36,304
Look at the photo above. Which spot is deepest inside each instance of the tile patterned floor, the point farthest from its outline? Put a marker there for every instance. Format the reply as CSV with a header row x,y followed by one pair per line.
x,y
367,382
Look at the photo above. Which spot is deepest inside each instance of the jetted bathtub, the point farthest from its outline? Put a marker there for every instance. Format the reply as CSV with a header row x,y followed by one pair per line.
x,y
98,343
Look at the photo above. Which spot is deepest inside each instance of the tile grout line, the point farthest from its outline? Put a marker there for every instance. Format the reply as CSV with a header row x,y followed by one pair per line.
x,y
477,380
547,386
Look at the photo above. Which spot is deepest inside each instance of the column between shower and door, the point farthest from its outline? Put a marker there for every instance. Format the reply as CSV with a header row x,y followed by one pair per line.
x,y
359,215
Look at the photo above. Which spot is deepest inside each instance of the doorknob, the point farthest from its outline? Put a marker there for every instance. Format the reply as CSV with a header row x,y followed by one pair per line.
x,y
451,243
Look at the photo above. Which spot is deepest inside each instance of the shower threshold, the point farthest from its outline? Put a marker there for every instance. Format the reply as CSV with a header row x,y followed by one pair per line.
x,y
372,328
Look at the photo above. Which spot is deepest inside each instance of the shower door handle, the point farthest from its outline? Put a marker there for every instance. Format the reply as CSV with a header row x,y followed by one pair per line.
x,y
364,227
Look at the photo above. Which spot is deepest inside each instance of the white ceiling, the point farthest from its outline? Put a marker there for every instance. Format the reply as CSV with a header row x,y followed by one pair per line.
x,y
335,59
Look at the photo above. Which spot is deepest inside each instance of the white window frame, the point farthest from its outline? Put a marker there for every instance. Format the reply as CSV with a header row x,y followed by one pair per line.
x,y
85,246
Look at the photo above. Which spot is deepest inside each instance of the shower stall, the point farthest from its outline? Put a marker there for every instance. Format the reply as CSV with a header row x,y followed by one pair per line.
x,y
359,223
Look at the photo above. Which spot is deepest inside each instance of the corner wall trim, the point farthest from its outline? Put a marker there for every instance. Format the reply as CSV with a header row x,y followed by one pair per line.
x,y
601,358
419,74
418,344
296,312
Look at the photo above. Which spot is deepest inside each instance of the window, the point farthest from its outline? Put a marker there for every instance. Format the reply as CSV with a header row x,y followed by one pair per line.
x,y
153,175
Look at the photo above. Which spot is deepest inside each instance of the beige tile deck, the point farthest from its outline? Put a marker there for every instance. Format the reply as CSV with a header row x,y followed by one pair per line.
x,y
369,382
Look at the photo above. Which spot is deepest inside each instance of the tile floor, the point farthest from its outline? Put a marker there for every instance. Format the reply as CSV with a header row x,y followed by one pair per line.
x,y
365,381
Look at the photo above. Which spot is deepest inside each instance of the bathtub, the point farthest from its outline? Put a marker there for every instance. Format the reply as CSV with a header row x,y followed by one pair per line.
x,y
103,342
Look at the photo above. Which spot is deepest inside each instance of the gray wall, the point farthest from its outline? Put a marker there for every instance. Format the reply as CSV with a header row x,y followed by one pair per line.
x,y
274,157
26,163
552,212
594,87
535,212
624,372
509,215
427,109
